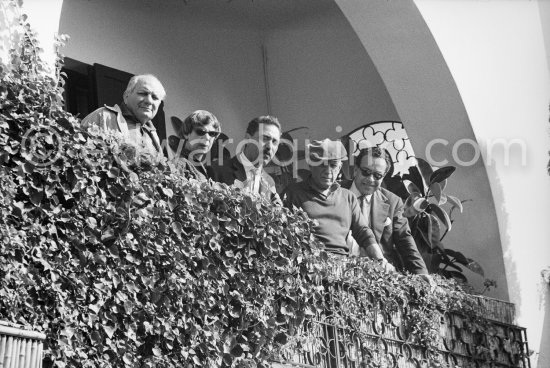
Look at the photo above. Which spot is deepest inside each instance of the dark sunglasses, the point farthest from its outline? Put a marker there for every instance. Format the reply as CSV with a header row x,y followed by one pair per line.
x,y
366,173
202,132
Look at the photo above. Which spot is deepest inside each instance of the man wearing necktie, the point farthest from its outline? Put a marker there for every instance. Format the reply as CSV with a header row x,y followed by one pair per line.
x,y
364,200
133,118
246,169
384,211
336,209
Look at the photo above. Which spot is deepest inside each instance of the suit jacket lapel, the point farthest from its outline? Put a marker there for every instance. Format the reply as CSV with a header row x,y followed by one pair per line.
x,y
379,212
238,169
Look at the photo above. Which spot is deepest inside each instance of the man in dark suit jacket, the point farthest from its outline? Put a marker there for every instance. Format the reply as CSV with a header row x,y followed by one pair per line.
x,y
245,169
384,211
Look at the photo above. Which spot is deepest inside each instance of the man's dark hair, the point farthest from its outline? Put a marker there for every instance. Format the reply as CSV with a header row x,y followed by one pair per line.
x,y
375,152
254,125
198,118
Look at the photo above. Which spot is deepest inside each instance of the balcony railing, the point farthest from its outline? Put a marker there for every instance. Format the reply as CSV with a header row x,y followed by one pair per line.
x,y
383,339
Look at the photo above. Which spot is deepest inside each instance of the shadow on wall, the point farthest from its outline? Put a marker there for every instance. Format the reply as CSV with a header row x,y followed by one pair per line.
x,y
511,278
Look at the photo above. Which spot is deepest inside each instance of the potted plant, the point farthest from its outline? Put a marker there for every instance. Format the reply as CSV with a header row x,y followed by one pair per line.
x,y
430,212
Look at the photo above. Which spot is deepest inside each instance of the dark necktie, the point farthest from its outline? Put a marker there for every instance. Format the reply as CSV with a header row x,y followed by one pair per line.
x,y
365,208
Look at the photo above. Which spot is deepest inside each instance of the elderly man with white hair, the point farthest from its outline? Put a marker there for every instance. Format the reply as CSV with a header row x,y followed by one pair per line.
x,y
133,118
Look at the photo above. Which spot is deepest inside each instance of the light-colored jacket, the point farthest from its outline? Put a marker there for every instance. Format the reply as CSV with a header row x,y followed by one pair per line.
x,y
111,118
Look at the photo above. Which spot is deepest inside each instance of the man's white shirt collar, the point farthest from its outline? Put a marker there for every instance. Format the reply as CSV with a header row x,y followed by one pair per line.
x,y
249,170
358,194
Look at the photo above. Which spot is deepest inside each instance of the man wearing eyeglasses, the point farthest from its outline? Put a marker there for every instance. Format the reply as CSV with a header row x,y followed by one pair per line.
x,y
383,210
336,209
246,169
196,134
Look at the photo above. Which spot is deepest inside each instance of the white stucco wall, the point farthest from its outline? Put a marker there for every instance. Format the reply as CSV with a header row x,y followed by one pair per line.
x,y
204,59
495,51
544,10
321,76
208,56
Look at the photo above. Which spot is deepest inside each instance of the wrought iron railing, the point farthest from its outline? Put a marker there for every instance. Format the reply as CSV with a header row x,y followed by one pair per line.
x,y
384,339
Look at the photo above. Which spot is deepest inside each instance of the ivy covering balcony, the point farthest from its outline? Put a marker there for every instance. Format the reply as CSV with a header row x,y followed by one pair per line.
x,y
366,325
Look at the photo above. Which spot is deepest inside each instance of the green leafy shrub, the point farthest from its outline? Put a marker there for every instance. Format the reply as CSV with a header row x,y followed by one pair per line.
x,y
124,262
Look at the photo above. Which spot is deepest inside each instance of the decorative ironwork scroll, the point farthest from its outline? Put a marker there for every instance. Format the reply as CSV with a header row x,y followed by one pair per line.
x,y
384,339
390,135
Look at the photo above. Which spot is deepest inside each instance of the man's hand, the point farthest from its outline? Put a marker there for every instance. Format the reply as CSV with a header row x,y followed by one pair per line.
x,y
427,278
276,200
373,251
388,267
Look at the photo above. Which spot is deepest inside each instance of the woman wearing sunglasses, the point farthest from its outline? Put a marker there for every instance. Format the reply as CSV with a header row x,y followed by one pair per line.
x,y
195,136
